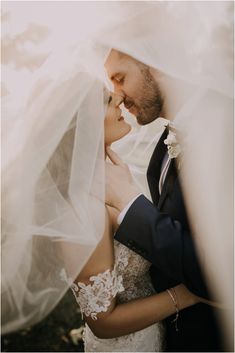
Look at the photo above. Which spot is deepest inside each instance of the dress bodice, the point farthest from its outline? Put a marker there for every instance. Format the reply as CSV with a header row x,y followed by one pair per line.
x,y
134,270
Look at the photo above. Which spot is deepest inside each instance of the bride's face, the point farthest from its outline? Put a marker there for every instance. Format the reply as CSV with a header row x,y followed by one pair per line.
x,y
115,126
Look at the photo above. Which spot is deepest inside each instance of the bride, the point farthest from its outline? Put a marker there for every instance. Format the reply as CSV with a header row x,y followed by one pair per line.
x,y
114,289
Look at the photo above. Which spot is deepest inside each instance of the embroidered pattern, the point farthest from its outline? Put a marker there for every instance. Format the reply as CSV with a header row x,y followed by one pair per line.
x,y
96,297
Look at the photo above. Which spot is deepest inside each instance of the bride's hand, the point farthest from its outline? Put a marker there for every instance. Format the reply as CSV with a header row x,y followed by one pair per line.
x,y
186,298
213,303
120,186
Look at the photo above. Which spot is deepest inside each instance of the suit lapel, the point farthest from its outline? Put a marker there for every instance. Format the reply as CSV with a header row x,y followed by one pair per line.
x,y
154,168
168,183
154,171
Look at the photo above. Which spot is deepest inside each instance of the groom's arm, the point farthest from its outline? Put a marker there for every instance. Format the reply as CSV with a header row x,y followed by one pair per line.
x,y
162,241
154,235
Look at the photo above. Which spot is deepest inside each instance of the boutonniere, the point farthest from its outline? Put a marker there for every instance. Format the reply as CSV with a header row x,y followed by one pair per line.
x,y
173,145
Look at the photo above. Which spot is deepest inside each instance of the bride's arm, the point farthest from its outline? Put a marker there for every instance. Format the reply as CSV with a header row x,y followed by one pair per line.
x,y
122,319
139,313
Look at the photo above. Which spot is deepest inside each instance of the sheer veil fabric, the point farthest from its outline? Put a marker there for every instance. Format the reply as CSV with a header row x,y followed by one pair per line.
x,y
53,153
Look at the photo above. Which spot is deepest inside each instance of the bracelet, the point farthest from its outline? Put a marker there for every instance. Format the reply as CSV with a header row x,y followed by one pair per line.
x,y
174,299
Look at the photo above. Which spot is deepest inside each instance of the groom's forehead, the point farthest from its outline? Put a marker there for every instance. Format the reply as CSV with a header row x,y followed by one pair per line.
x,y
116,62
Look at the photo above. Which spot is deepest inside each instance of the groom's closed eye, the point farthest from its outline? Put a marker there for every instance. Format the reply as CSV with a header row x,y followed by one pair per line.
x,y
119,78
110,99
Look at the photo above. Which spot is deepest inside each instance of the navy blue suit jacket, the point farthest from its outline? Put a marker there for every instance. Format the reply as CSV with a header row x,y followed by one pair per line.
x,y
160,232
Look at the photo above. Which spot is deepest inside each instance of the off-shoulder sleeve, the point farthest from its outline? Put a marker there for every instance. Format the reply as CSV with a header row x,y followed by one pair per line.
x,y
97,296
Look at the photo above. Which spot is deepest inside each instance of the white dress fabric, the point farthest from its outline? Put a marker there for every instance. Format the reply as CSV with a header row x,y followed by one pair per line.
x,y
136,281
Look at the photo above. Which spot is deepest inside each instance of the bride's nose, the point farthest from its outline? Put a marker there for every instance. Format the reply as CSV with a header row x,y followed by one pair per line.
x,y
119,100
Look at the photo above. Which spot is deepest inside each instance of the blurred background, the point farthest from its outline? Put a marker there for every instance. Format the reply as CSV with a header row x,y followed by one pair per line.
x,y
60,331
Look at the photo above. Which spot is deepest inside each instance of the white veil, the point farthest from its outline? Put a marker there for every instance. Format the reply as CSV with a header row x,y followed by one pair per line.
x,y
53,163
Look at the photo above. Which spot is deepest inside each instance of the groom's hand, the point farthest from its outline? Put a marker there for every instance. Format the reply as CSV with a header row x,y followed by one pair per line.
x,y
120,186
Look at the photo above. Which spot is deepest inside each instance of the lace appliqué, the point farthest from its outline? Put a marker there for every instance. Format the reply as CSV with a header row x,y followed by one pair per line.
x,y
96,297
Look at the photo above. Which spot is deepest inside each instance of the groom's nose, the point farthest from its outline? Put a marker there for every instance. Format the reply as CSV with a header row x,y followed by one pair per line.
x,y
118,90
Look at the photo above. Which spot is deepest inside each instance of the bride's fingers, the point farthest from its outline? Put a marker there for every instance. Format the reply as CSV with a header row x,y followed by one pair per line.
x,y
114,157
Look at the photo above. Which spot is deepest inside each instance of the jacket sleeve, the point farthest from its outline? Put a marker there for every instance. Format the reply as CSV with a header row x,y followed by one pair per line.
x,y
163,242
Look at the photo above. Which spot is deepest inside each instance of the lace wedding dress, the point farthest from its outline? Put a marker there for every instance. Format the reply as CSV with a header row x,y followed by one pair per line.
x,y
129,280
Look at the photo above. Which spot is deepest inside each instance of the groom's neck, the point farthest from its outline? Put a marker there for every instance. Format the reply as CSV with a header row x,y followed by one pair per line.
x,y
175,92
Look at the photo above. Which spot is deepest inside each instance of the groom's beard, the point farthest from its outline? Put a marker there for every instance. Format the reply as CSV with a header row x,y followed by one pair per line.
x,y
150,105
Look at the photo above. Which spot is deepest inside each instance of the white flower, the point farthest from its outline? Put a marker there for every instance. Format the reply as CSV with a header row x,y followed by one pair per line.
x,y
172,145
174,151
171,138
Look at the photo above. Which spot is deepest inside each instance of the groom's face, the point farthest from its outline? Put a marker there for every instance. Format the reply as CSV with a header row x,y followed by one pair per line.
x,y
135,83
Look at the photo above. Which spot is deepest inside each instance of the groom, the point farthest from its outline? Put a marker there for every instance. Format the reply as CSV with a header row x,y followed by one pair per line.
x,y
159,231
